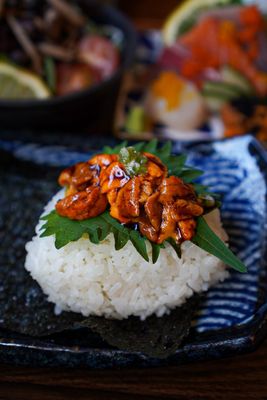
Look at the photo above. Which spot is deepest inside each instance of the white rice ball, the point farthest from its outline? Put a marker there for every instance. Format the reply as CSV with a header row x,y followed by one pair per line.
x,y
98,280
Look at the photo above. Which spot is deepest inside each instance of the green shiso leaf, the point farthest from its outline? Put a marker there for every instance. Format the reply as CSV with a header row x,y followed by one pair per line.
x,y
155,252
120,232
120,238
165,151
175,246
176,164
139,243
139,146
188,175
66,230
116,149
204,190
98,228
207,240
150,147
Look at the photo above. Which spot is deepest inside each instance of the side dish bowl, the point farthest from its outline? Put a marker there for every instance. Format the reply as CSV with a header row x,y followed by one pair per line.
x,y
90,110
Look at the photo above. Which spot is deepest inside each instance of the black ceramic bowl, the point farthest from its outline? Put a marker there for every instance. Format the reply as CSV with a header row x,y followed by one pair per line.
x,y
90,110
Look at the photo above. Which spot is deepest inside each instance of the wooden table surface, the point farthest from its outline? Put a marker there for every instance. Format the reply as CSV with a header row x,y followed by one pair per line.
x,y
242,377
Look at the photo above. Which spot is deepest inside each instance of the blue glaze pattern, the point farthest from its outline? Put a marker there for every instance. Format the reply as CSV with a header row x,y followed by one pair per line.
x,y
234,174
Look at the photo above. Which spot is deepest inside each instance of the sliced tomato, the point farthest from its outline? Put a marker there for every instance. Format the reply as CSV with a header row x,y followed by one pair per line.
x,y
74,77
100,54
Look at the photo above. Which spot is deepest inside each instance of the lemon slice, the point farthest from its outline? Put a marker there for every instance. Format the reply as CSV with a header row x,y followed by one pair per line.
x,y
184,16
17,83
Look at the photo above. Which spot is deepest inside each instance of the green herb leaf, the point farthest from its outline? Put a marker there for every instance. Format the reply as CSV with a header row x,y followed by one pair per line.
x,y
134,161
175,164
97,229
150,147
120,232
165,151
121,239
116,149
139,243
139,146
113,222
207,240
201,189
155,252
189,174
204,190
50,73
175,246
66,229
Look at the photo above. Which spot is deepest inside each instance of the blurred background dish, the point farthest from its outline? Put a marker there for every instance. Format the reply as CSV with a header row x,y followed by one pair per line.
x,y
62,64
203,76
218,49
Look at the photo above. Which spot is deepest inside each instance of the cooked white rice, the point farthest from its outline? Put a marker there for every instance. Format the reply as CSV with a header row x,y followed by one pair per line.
x,y
98,280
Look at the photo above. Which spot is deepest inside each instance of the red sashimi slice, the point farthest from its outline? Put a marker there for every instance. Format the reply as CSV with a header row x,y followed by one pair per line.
x,y
213,43
174,56
100,54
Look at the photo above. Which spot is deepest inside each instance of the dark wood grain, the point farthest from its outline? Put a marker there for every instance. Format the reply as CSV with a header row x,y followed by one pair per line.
x,y
147,13
148,9
242,377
